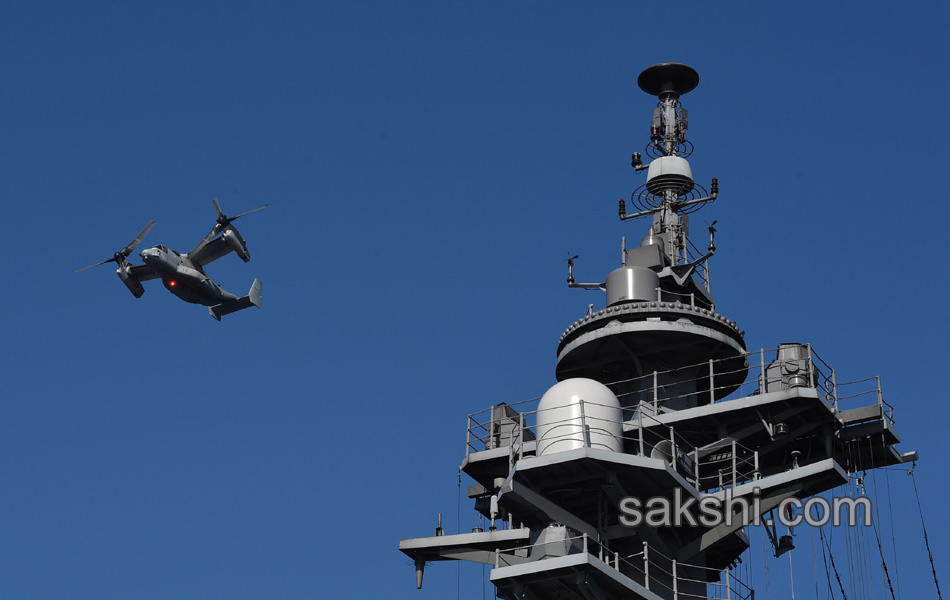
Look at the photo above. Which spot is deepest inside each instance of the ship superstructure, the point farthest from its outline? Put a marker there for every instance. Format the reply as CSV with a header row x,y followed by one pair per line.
x,y
658,400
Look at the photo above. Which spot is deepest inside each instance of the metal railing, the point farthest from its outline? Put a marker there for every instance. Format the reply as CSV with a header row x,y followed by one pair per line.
x,y
728,466
732,464
863,388
690,299
650,568
588,430
646,397
703,382
485,432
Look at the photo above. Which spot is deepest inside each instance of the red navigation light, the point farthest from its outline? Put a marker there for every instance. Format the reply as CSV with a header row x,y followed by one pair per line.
x,y
172,283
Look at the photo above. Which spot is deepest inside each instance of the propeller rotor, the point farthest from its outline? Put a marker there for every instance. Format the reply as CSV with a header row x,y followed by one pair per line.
x,y
124,253
223,221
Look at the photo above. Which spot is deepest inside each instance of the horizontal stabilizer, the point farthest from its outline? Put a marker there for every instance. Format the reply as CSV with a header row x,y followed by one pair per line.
x,y
254,298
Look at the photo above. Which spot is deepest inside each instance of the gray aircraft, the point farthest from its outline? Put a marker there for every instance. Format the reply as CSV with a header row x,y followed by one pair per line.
x,y
183,274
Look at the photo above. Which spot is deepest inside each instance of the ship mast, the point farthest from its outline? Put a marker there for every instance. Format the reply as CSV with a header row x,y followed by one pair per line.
x,y
658,402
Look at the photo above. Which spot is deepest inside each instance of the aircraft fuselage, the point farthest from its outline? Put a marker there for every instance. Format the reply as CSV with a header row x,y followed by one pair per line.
x,y
184,280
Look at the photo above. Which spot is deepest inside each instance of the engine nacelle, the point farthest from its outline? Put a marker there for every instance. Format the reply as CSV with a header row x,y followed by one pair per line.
x,y
237,243
131,281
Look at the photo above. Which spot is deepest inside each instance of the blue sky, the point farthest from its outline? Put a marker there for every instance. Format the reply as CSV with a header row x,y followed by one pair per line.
x,y
428,165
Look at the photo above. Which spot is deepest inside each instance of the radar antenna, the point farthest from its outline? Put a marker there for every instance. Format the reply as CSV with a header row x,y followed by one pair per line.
x,y
670,193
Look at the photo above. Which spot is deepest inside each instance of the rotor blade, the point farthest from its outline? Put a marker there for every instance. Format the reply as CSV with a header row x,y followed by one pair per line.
x,y
95,265
247,213
128,249
211,234
217,207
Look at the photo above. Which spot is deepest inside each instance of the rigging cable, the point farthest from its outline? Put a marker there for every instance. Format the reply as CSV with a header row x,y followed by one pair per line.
x,y
854,575
861,545
851,490
747,567
884,564
866,550
877,508
824,560
814,559
926,541
481,521
835,568
750,568
791,574
877,514
765,561
890,510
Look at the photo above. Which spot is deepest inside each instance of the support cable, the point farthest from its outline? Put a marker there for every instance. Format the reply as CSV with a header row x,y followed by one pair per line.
x,y
791,574
851,490
868,576
854,574
861,545
824,560
482,523
887,575
877,511
814,559
835,568
876,507
926,541
751,571
890,510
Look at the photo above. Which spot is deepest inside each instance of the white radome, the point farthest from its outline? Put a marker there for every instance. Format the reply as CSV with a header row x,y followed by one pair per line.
x,y
566,423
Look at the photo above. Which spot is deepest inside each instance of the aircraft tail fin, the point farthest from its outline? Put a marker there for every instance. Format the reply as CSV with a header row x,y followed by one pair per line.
x,y
256,295
254,298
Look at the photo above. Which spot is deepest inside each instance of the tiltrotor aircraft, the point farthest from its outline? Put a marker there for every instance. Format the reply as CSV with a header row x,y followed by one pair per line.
x,y
183,274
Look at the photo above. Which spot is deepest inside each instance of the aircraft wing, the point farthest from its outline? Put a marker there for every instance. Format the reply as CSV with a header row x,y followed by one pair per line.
x,y
210,251
144,272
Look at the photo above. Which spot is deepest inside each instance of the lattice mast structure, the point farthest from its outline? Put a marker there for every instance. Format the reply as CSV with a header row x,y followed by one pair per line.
x,y
657,399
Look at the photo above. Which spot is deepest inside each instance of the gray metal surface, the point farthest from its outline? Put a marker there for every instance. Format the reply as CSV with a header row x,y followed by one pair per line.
x,y
183,274
631,284
699,417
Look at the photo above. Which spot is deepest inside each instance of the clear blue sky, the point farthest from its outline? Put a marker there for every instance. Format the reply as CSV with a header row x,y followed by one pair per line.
x,y
428,165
